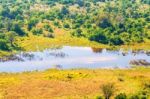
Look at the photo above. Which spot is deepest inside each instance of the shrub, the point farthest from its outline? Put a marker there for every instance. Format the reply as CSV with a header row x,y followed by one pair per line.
x,y
36,31
99,97
66,25
144,94
77,33
134,97
108,90
121,96
48,28
56,23
146,85
143,97
4,45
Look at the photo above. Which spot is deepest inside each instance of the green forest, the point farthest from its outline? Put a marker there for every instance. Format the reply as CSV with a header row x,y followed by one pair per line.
x,y
110,22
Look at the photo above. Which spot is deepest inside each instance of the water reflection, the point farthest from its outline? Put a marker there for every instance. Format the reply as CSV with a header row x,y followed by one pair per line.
x,y
74,57
97,50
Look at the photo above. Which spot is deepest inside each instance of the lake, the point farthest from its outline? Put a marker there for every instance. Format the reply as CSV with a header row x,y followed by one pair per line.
x,y
69,57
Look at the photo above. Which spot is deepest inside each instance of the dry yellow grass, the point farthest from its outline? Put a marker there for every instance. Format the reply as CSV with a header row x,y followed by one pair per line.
x,y
70,84
138,46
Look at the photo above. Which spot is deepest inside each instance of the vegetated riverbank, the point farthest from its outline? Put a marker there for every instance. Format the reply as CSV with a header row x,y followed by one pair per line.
x,y
34,43
74,84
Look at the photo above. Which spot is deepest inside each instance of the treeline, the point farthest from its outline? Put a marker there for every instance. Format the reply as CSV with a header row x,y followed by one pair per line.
x,y
113,22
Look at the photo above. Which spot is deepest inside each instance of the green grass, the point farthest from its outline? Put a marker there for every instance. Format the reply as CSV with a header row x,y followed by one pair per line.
x,y
33,43
30,43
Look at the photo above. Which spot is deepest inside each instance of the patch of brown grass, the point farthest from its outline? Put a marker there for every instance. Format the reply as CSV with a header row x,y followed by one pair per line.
x,y
55,84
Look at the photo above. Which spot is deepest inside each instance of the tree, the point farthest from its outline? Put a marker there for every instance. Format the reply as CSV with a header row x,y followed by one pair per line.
x,y
98,35
125,37
66,25
36,31
10,36
77,33
105,23
48,28
4,45
16,28
5,12
32,23
80,2
115,40
64,11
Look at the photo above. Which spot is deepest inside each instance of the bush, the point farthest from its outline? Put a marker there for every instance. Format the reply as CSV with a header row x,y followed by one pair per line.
x,y
144,93
146,85
143,97
4,45
56,23
108,90
121,96
134,97
48,28
16,28
66,25
99,97
77,33
37,31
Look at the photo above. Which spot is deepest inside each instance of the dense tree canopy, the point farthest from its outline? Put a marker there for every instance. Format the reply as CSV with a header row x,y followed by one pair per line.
x,y
113,22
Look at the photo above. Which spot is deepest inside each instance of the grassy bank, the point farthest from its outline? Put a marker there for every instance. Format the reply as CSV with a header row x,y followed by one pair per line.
x,y
33,43
138,46
71,84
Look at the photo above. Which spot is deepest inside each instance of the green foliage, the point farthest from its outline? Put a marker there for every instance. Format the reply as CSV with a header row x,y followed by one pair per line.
x,y
99,97
64,11
10,36
16,28
32,23
4,45
36,31
113,22
77,33
121,96
66,25
108,90
48,28
134,97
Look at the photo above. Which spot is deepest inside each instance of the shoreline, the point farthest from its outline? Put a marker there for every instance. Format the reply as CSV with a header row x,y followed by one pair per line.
x,y
132,68
34,43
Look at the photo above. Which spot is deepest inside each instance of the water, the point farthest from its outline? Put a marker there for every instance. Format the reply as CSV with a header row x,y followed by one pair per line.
x,y
70,58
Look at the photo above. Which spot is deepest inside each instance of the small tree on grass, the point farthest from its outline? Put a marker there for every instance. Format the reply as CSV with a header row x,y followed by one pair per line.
x,y
108,90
